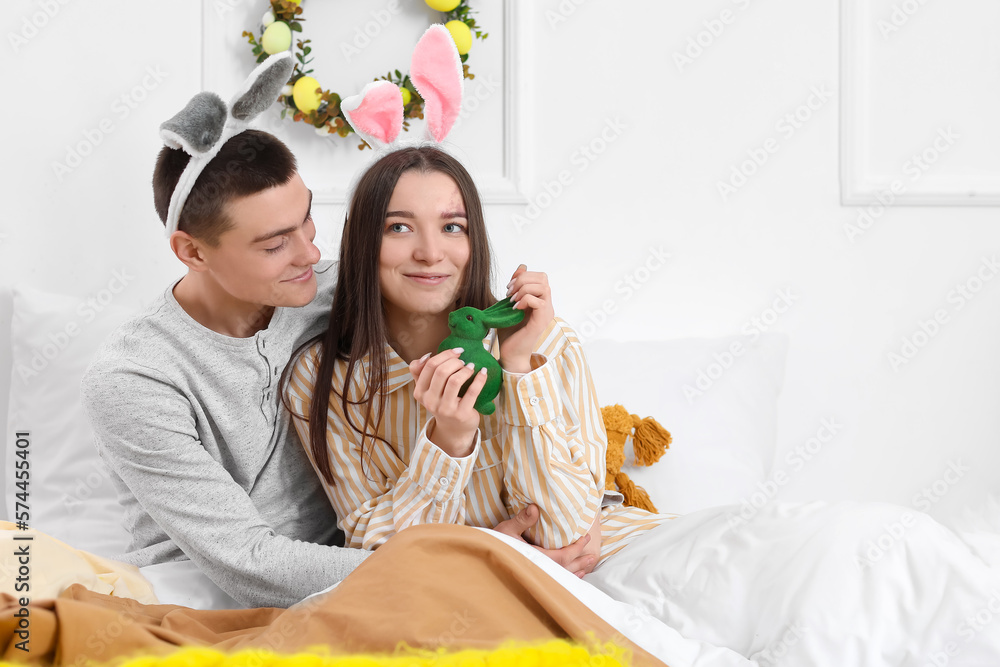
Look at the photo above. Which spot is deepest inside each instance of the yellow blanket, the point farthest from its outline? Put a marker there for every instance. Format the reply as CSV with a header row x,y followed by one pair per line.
x,y
37,566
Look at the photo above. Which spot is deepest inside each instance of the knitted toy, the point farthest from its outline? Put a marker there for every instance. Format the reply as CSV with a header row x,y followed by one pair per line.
x,y
649,442
469,327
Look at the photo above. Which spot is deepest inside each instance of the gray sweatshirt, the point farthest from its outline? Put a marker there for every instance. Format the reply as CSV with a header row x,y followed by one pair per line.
x,y
203,456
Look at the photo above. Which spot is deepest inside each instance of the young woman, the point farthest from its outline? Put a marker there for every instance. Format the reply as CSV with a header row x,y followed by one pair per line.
x,y
392,440
395,445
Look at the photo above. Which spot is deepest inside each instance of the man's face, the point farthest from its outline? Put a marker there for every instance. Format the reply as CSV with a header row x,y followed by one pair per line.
x,y
266,258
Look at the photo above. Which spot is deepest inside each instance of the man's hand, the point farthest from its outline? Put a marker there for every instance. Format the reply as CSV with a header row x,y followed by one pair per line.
x,y
573,557
594,546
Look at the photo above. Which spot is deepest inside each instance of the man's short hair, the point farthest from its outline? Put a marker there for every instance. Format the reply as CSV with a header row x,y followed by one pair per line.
x,y
248,163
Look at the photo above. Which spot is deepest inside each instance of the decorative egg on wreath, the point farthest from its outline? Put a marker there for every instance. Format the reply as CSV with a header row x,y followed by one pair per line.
x,y
305,100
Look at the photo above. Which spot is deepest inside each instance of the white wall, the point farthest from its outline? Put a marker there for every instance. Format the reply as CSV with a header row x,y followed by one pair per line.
x,y
681,130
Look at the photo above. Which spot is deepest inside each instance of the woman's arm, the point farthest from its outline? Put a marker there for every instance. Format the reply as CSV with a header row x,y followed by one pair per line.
x,y
554,441
375,494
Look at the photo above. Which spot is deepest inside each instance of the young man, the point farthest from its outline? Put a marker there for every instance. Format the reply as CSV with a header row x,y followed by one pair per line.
x,y
183,397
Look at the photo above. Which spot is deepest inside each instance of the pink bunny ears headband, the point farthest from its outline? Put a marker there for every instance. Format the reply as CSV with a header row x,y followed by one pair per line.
x,y
206,123
376,113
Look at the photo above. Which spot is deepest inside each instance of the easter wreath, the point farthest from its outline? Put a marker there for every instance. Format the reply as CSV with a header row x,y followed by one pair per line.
x,y
305,99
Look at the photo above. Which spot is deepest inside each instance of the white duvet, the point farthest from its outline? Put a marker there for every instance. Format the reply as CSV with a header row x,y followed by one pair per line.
x,y
858,584
845,584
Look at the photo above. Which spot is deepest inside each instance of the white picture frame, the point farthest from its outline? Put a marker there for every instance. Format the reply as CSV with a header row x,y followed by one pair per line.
x,y
917,129
492,148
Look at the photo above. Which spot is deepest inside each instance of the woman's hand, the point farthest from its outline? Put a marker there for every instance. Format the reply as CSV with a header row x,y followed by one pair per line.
x,y
579,557
530,291
438,379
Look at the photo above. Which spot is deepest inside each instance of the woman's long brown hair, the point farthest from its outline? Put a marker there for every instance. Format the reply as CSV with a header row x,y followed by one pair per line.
x,y
357,325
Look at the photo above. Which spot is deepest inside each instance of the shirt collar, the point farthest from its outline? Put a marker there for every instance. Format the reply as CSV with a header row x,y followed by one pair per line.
x,y
397,371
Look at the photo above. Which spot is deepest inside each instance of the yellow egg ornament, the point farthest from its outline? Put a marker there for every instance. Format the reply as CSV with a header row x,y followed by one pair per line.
x,y
305,95
277,38
442,5
461,34
407,96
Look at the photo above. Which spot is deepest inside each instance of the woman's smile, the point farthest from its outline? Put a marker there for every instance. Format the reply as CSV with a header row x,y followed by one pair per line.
x,y
430,279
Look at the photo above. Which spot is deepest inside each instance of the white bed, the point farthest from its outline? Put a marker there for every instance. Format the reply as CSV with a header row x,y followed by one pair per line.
x,y
695,571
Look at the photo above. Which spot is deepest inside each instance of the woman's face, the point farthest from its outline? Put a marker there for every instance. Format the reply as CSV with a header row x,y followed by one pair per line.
x,y
425,244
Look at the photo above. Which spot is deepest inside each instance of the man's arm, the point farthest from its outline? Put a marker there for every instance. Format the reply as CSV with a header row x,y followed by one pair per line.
x,y
145,429
579,558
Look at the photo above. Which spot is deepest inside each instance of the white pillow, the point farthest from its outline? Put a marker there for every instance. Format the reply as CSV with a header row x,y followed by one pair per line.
x,y
53,340
181,582
716,396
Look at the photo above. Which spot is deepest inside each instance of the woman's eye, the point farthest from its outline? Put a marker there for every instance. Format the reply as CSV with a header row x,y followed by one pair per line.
x,y
397,227
455,227
276,248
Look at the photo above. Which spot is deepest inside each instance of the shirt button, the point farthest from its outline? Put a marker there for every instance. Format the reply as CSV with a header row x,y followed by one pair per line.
x,y
534,400
443,481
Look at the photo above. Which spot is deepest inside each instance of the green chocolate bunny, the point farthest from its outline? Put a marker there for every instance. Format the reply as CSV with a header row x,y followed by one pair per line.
x,y
469,327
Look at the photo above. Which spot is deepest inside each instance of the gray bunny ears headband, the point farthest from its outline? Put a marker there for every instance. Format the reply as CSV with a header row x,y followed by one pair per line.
x,y
202,127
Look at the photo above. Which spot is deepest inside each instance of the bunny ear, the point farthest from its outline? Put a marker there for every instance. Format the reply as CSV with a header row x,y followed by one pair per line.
x,y
196,127
203,127
436,73
501,314
500,306
262,87
376,113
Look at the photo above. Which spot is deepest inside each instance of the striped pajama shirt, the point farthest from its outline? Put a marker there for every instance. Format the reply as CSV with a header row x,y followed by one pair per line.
x,y
545,444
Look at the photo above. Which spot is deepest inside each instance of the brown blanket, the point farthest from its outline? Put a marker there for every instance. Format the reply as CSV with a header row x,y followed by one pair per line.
x,y
429,586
